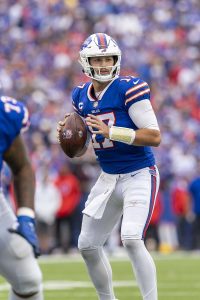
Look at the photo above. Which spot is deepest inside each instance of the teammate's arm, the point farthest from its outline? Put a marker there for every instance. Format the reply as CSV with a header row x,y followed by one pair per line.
x,y
23,175
24,185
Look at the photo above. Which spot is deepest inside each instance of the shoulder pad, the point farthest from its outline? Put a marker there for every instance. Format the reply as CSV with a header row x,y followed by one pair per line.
x,y
16,112
134,89
76,96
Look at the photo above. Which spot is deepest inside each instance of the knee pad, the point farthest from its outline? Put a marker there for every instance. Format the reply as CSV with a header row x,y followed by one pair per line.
x,y
29,284
131,231
132,245
84,243
88,251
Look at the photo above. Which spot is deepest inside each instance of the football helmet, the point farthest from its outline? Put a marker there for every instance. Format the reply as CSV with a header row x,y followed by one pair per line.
x,y
100,44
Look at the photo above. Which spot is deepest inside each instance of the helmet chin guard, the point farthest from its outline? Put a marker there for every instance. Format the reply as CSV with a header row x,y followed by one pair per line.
x,y
100,44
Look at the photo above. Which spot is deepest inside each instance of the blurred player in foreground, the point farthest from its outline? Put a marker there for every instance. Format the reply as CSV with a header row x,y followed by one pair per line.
x,y
18,241
123,125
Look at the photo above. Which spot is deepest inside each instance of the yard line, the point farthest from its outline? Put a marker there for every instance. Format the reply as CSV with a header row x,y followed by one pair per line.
x,y
68,285
56,285
63,285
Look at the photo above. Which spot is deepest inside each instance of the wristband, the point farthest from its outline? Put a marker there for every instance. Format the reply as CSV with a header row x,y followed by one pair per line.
x,y
122,134
25,211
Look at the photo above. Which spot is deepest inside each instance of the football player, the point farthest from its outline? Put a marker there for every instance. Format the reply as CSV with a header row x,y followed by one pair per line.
x,y
18,241
123,127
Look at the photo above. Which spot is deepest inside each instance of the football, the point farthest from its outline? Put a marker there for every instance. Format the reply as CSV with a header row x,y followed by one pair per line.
x,y
73,135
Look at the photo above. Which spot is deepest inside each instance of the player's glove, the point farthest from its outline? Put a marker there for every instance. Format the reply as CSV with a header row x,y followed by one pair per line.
x,y
26,228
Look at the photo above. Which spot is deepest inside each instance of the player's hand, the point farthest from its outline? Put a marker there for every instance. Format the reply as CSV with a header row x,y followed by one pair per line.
x,y
26,228
99,125
60,125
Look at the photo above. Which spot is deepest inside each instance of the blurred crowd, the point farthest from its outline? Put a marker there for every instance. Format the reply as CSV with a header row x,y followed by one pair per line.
x,y
160,42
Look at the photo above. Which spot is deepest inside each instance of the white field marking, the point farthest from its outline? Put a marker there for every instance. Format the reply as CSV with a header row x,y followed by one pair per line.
x,y
62,285
57,285
70,285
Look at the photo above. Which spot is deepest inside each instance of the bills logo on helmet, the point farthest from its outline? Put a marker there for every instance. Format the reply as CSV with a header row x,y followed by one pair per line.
x,y
86,43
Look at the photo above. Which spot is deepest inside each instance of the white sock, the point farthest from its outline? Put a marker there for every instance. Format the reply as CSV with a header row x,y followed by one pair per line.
x,y
144,268
100,272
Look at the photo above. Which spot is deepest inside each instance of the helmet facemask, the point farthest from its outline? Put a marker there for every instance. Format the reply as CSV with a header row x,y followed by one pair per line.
x,y
93,47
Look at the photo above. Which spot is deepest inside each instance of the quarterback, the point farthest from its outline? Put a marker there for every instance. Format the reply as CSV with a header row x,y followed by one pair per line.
x,y
123,127
18,241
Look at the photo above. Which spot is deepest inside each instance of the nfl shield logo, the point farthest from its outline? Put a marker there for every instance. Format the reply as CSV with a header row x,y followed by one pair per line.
x,y
95,104
67,134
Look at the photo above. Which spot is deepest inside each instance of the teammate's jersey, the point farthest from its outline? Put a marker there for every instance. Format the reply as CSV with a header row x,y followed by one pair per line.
x,y
112,108
13,117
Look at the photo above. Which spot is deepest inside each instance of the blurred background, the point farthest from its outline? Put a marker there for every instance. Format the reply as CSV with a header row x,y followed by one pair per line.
x,y
160,42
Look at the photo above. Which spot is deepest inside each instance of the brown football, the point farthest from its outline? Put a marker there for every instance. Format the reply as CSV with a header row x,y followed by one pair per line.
x,y
73,135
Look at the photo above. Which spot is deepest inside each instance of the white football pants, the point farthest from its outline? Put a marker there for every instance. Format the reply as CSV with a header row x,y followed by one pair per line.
x,y
17,262
138,190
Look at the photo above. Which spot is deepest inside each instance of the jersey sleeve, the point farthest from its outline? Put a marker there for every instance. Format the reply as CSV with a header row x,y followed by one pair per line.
x,y
15,118
75,100
135,89
144,109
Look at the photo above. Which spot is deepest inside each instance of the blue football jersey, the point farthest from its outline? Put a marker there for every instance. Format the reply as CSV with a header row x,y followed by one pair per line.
x,y
115,157
13,118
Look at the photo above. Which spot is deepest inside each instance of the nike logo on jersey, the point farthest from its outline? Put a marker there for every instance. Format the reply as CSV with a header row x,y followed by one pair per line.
x,y
132,175
136,81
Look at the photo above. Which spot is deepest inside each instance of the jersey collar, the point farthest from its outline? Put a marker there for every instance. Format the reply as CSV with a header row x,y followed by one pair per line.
x,y
91,94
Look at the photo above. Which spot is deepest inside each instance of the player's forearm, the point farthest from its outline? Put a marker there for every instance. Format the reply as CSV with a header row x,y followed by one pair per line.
x,y
140,137
24,184
24,178
147,137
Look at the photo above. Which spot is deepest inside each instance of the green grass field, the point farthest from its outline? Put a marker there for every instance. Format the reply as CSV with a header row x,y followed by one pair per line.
x,y
66,278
